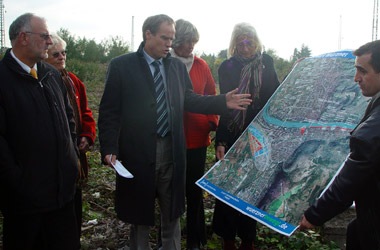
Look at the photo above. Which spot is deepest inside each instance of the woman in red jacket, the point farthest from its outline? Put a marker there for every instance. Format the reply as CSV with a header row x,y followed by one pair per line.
x,y
84,121
197,129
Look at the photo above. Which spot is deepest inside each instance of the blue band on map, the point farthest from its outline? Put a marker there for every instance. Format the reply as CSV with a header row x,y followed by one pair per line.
x,y
342,54
247,209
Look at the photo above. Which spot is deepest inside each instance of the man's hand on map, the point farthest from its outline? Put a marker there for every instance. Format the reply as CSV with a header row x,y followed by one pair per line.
x,y
237,101
305,224
220,152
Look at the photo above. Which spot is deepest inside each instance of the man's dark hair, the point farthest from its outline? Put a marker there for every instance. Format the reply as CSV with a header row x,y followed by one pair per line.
x,y
20,24
372,48
153,23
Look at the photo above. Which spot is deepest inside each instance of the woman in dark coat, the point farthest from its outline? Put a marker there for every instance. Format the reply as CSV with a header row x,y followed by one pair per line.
x,y
252,72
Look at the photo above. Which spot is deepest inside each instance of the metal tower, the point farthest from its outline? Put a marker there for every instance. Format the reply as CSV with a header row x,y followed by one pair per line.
x,y
2,30
375,19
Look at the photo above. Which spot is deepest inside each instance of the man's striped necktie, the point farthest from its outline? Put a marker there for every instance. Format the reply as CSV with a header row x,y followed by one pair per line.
x,y
162,111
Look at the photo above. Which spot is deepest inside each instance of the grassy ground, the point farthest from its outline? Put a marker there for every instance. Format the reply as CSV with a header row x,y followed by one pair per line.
x,y
102,230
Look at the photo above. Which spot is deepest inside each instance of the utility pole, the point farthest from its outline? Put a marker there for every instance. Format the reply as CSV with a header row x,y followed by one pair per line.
x,y
375,19
133,35
2,30
340,34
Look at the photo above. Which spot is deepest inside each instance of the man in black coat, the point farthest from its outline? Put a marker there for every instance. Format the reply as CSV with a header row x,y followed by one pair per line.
x,y
38,161
153,149
359,179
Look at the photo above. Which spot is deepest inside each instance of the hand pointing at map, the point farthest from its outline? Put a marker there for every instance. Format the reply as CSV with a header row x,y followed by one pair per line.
x,y
237,101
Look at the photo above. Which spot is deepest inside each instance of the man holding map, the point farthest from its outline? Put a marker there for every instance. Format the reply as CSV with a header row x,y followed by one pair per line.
x,y
359,179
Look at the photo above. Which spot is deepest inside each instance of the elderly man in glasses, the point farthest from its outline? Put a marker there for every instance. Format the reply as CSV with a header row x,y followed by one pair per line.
x,y
38,157
85,123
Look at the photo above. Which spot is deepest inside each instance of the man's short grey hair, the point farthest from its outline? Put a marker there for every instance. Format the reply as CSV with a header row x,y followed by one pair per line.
x,y
21,24
153,23
184,32
57,40
243,29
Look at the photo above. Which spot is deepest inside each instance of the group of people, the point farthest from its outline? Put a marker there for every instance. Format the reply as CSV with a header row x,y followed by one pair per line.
x,y
157,110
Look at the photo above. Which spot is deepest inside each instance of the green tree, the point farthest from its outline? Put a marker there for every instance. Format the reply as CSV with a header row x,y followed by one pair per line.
x,y
93,52
298,54
210,60
223,54
115,46
72,44
87,50
281,65
2,52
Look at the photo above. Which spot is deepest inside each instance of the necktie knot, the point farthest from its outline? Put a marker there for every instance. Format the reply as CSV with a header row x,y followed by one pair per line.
x,y
156,65
33,72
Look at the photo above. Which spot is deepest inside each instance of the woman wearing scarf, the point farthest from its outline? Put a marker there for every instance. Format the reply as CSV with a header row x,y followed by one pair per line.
x,y
197,128
84,121
251,71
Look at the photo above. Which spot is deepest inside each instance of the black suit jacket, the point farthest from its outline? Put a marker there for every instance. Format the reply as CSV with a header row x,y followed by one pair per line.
x,y
127,128
38,160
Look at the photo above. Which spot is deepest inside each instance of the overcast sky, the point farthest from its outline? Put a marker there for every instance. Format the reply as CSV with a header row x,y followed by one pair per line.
x,y
282,25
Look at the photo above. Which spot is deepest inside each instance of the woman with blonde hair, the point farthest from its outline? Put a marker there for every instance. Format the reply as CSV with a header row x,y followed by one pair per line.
x,y
251,71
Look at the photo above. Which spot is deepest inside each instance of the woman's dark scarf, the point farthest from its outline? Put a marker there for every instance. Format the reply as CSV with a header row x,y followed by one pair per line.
x,y
69,84
250,74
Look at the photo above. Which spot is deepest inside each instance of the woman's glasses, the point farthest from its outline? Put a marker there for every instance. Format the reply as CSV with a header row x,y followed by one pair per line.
x,y
245,44
56,54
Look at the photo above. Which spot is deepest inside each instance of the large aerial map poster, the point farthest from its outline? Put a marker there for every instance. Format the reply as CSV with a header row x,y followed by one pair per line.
x,y
293,148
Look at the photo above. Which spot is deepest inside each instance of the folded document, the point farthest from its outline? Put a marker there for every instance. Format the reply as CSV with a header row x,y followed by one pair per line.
x,y
121,170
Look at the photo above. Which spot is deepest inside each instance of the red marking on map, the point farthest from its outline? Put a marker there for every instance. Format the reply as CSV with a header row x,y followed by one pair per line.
x,y
333,128
256,146
303,130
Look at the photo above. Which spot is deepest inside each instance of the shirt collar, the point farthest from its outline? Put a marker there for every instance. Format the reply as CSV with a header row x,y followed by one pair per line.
x,y
149,59
23,65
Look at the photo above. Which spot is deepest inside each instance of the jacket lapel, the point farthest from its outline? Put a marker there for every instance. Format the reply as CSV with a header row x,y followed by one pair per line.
x,y
167,63
372,104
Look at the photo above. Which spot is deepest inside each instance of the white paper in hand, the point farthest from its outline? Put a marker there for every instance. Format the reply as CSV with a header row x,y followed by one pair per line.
x,y
121,170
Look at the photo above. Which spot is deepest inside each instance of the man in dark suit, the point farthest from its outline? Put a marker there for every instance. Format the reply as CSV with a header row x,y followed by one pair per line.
x,y
143,127
38,161
359,179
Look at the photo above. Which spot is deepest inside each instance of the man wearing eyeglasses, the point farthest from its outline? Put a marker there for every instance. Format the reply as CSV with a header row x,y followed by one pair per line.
x,y
38,160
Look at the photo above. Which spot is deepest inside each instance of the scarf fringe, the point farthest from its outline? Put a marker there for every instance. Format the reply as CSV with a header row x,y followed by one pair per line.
x,y
252,68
